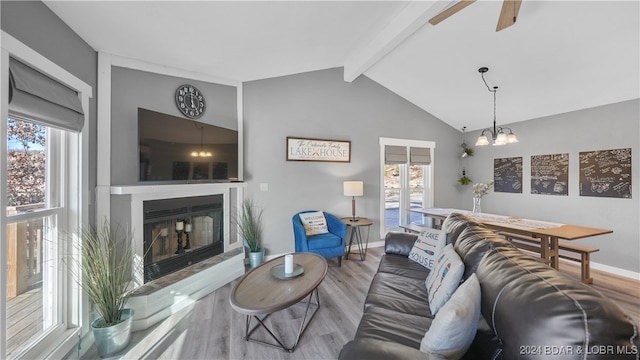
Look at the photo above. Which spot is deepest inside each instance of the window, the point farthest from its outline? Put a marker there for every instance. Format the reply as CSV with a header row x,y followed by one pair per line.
x,y
406,181
33,213
42,177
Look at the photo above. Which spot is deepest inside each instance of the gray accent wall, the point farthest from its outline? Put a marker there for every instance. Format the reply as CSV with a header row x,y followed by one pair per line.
x,y
322,105
606,127
36,26
131,89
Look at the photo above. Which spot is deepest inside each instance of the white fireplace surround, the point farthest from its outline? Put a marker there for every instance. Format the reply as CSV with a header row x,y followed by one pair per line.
x,y
127,208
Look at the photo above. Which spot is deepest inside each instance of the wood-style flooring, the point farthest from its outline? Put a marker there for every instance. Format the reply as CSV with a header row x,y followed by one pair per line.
x,y
210,329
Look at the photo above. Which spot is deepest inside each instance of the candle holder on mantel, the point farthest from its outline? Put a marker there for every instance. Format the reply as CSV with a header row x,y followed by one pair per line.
x,y
187,230
179,231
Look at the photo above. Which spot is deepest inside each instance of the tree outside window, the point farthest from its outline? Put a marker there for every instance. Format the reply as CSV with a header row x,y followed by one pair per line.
x,y
26,163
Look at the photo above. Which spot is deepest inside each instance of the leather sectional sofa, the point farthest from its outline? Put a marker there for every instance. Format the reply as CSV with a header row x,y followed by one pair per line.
x,y
528,310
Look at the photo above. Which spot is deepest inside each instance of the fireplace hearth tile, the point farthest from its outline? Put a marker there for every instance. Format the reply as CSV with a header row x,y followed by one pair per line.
x,y
170,279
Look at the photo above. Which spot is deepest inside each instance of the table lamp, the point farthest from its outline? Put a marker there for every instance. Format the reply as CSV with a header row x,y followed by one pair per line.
x,y
353,189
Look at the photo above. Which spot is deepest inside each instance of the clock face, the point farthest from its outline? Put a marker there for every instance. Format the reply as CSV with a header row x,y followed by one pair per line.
x,y
190,101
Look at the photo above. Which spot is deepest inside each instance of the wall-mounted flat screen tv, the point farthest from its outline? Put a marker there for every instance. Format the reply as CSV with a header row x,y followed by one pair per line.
x,y
180,150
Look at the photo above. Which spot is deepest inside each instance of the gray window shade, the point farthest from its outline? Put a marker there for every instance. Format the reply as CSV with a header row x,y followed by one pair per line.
x,y
36,96
395,154
420,156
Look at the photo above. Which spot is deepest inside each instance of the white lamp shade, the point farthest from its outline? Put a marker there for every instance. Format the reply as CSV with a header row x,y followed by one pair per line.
x,y
501,139
482,141
353,188
511,138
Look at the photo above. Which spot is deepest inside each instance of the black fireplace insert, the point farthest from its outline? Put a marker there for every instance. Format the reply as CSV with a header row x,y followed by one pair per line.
x,y
181,232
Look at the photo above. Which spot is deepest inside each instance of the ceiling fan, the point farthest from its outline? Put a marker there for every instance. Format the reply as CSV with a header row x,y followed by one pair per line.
x,y
508,14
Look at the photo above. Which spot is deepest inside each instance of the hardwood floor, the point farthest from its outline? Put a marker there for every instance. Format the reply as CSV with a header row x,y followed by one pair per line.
x,y
210,329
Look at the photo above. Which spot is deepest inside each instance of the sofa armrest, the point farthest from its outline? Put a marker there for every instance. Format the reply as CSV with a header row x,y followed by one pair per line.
x,y
399,243
376,349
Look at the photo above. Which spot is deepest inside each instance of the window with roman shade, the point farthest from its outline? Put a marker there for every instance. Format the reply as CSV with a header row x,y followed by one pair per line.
x,y
395,154
33,95
419,156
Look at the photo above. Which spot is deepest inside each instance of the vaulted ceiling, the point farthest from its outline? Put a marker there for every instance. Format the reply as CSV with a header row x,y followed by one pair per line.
x,y
560,56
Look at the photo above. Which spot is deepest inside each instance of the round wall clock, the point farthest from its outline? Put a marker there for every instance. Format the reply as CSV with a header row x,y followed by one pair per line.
x,y
190,101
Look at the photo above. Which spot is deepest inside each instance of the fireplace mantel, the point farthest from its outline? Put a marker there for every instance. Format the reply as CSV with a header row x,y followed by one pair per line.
x,y
127,201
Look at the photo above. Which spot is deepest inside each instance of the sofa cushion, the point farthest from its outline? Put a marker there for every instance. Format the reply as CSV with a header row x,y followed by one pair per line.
x,y
473,243
454,327
427,247
399,243
314,223
530,304
401,265
322,241
399,287
359,349
389,325
454,224
444,278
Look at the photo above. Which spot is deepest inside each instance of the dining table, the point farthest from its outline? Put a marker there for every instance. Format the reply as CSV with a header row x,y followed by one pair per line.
x,y
549,233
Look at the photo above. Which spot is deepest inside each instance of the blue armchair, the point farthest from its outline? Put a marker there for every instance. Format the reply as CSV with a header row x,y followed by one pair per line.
x,y
327,245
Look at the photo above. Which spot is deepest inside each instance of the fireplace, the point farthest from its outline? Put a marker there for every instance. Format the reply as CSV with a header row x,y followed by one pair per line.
x,y
180,232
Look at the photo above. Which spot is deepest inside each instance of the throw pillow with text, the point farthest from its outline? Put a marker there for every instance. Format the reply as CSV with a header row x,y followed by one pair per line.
x,y
427,247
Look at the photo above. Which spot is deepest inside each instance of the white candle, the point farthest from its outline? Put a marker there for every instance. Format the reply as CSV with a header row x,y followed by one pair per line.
x,y
187,228
179,225
164,232
288,264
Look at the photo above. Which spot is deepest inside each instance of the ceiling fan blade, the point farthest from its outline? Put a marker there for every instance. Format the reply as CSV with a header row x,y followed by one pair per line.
x,y
508,14
444,14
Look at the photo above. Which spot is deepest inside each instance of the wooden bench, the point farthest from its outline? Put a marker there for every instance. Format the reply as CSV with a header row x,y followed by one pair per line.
x,y
527,243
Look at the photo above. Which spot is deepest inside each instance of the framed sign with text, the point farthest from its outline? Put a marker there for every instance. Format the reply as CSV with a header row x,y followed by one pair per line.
x,y
304,149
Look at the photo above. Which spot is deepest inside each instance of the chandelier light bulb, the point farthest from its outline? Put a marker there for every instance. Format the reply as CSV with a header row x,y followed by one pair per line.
x,y
482,141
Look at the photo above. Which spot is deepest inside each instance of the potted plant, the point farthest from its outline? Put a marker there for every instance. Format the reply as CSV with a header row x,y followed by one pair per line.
x,y
250,224
105,273
467,151
464,179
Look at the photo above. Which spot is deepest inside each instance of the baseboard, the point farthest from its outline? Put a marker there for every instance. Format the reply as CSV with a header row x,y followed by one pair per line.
x,y
616,271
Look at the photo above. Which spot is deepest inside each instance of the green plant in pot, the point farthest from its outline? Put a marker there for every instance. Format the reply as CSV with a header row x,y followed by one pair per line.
x,y
464,179
250,224
105,266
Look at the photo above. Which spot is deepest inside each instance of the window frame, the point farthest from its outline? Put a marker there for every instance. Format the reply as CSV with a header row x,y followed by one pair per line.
x,y
405,198
73,197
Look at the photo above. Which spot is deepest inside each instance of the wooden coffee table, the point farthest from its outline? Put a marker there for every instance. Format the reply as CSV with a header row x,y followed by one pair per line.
x,y
259,294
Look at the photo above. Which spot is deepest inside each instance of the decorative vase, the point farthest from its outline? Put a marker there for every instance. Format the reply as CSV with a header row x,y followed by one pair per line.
x,y
476,205
111,340
256,258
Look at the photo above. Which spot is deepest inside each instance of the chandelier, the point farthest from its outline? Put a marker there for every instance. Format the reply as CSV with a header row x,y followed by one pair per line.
x,y
498,134
201,153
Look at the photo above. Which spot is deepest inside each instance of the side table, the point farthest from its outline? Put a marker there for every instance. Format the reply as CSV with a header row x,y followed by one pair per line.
x,y
356,234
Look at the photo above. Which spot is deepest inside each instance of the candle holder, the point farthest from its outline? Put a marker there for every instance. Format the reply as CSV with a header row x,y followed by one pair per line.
x,y
187,244
180,249
163,244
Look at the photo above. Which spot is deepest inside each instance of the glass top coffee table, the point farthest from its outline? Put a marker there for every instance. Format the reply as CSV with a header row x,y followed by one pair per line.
x,y
264,290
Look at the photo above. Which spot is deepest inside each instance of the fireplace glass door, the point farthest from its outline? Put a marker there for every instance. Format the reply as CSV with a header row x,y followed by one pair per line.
x,y
181,232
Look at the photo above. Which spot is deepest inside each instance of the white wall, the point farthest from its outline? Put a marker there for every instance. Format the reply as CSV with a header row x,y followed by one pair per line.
x,y
606,127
